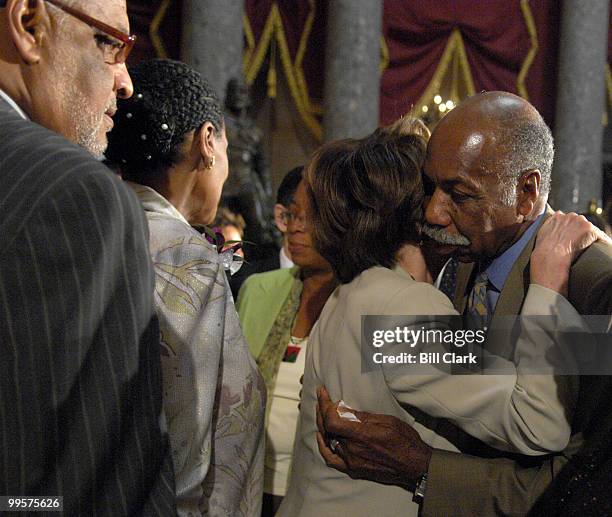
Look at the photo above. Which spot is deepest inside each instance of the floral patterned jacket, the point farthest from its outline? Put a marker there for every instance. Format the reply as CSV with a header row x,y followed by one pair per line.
x,y
214,396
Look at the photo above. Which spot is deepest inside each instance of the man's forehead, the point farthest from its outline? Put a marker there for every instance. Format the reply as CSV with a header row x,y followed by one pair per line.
x,y
450,177
111,12
459,150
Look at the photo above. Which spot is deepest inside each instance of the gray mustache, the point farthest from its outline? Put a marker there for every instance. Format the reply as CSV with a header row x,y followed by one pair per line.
x,y
440,236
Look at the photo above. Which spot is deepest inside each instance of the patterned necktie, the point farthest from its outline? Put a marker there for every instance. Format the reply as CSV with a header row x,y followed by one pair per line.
x,y
448,281
477,308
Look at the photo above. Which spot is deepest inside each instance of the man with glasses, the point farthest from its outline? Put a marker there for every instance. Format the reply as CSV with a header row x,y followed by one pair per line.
x,y
80,387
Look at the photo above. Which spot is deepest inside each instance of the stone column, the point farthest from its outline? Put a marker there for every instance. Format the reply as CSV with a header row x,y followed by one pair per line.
x,y
213,39
577,173
352,68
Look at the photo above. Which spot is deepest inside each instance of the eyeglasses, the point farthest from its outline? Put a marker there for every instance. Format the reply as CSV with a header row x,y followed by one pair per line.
x,y
288,217
117,49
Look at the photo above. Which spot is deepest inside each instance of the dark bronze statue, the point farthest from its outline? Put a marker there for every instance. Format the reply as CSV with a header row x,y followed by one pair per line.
x,y
248,190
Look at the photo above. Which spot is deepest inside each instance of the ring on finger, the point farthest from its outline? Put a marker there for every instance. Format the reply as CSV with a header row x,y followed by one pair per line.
x,y
333,445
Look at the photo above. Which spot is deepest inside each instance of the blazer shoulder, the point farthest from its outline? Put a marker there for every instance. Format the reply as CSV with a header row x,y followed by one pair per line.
x,y
598,255
37,159
590,281
383,291
28,142
42,171
270,280
170,230
91,187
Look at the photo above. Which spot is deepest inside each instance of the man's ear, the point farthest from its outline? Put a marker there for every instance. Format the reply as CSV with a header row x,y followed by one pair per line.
x,y
28,26
529,191
278,220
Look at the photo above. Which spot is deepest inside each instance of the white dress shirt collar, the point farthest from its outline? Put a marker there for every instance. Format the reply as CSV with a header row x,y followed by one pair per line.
x,y
285,261
13,104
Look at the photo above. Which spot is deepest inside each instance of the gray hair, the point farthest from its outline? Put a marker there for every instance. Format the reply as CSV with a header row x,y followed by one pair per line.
x,y
526,143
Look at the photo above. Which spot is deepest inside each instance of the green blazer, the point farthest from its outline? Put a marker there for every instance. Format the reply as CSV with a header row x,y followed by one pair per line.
x,y
260,299
502,486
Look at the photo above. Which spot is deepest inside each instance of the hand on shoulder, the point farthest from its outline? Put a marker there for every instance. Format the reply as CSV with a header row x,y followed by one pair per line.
x,y
560,241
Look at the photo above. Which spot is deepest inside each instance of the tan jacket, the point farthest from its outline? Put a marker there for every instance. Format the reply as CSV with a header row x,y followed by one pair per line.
x,y
491,408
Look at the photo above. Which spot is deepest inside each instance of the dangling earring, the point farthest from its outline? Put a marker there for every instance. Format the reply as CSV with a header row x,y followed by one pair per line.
x,y
211,164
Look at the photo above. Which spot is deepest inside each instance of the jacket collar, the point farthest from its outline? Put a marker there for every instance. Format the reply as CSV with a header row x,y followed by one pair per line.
x,y
153,201
7,101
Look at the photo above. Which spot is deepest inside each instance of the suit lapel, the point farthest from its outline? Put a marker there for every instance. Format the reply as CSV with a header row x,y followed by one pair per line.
x,y
515,289
464,273
511,300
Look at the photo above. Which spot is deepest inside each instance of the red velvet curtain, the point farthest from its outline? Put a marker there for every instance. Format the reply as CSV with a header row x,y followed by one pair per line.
x,y
142,14
289,34
496,34
497,41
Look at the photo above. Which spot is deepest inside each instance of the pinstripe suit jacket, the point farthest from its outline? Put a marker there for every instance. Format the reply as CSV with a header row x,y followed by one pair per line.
x,y
80,381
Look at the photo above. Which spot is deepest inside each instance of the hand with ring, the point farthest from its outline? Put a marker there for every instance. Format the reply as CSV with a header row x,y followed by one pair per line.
x,y
333,445
380,448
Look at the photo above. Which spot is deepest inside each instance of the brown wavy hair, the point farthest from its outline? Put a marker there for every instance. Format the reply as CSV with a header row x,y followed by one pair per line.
x,y
366,197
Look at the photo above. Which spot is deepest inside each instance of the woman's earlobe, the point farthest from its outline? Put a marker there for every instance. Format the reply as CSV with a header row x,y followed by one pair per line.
x,y
205,138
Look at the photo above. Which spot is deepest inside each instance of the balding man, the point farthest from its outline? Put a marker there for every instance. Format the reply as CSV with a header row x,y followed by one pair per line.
x,y
80,387
489,162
